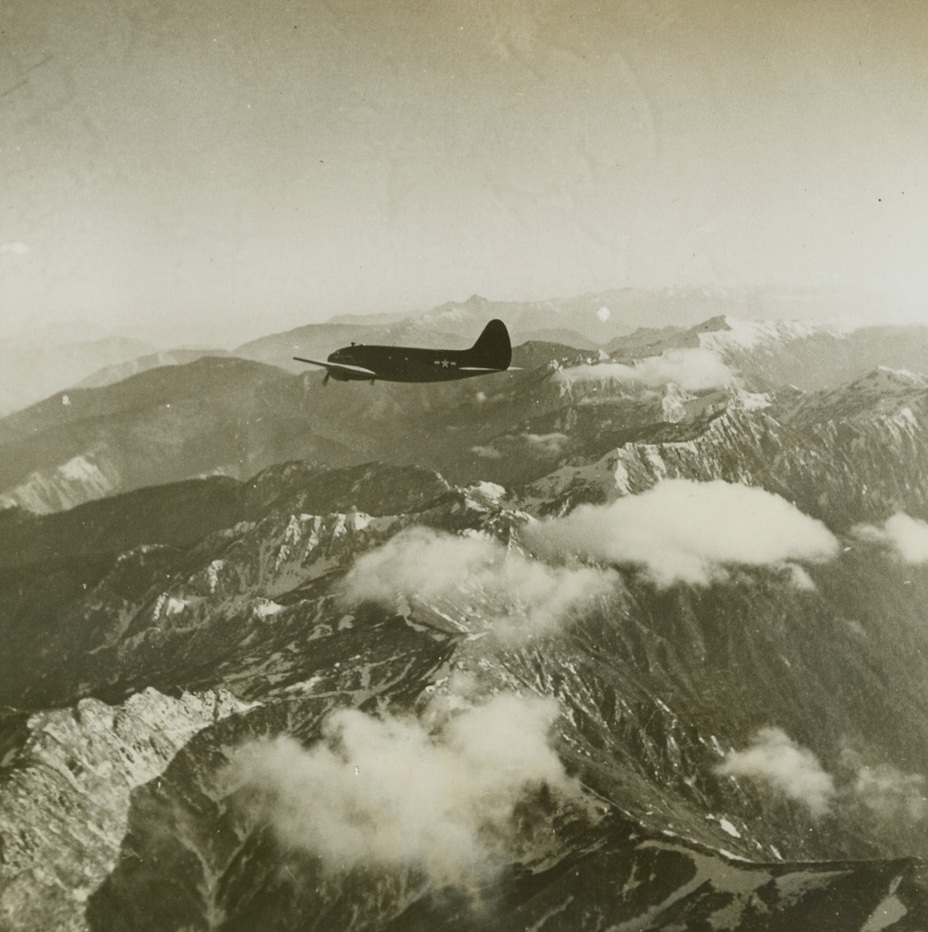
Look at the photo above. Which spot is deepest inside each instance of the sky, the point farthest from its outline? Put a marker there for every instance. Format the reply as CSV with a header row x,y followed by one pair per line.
x,y
226,169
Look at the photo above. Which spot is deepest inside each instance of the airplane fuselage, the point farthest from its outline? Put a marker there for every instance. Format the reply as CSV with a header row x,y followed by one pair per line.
x,y
402,364
361,362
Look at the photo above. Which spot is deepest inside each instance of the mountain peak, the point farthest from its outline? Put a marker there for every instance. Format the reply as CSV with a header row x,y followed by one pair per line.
x,y
714,324
885,376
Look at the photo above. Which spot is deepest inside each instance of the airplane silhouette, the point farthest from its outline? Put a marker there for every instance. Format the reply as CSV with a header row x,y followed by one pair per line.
x,y
491,353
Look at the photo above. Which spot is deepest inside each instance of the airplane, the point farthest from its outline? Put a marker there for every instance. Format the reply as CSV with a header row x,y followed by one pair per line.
x,y
491,353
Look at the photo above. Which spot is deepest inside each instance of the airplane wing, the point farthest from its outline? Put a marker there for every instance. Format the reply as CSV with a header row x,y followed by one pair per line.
x,y
338,367
484,369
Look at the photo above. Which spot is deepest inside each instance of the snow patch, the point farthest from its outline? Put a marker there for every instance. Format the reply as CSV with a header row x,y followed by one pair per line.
x,y
800,578
727,826
888,912
305,686
908,416
265,608
752,401
212,574
359,520
622,478
489,491
175,606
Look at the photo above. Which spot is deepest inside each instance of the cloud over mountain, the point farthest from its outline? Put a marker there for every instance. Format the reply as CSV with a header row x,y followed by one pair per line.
x,y
685,531
420,565
775,759
692,369
906,536
390,792
550,443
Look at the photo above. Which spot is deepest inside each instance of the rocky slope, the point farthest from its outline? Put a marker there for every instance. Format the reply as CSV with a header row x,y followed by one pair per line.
x,y
75,773
669,674
809,356
162,425
652,689
231,417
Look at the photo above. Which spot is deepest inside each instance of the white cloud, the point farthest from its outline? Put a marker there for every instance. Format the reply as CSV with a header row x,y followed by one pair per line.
x,y
14,249
907,536
886,790
547,443
684,531
421,566
604,314
691,369
391,793
890,792
775,759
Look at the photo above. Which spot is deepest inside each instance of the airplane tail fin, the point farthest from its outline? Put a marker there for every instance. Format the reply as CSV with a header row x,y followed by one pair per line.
x,y
492,349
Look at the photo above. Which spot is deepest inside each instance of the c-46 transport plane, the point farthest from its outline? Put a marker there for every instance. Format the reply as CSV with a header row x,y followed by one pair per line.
x,y
491,353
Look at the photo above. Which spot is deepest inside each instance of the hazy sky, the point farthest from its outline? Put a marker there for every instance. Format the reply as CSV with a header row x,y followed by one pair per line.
x,y
251,166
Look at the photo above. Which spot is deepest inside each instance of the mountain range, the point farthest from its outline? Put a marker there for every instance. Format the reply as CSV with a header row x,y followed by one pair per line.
x,y
632,638
43,360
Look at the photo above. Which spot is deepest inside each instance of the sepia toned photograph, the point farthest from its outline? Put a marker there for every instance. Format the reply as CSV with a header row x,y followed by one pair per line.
x,y
464,466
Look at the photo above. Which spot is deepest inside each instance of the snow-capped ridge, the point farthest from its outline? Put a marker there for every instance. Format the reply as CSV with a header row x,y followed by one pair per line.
x,y
885,379
84,477
727,333
71,791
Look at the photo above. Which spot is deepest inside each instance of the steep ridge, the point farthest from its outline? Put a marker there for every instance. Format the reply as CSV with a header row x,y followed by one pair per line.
x,y
70,792
735,740
163,425
845,455
773,353
652,688
231,417
76,584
